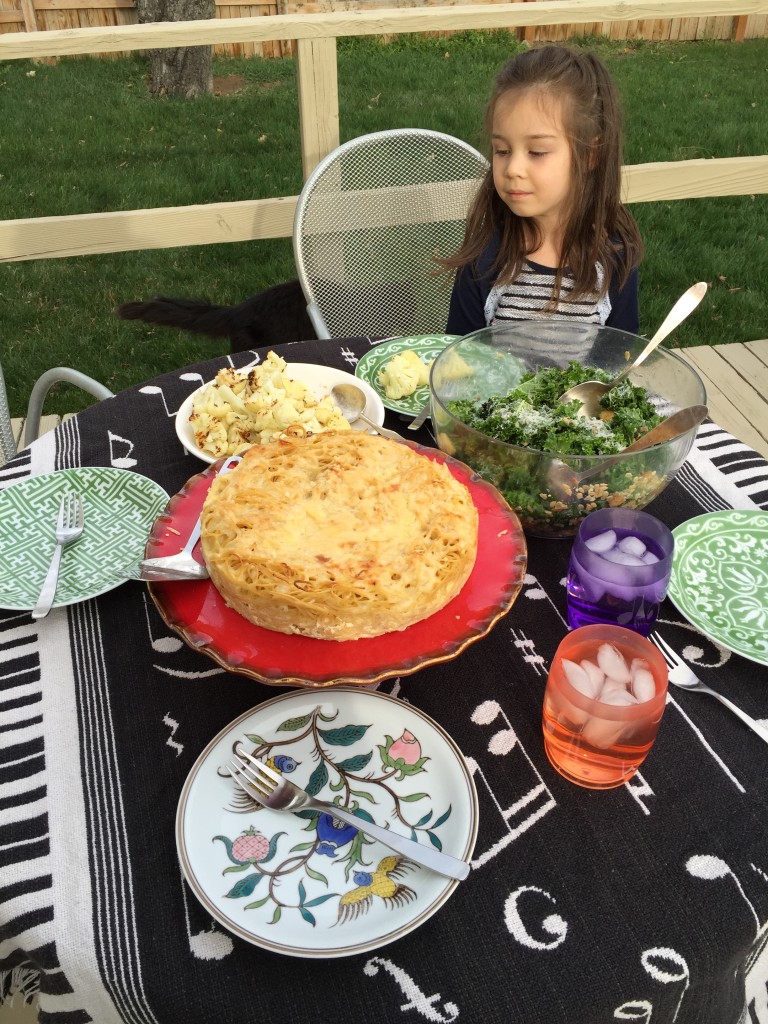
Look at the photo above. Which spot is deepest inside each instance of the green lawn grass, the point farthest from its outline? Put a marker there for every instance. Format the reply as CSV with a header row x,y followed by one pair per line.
x,y
84,136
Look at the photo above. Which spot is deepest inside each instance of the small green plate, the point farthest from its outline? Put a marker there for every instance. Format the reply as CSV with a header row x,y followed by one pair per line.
x,y
426,346
720,579
119,509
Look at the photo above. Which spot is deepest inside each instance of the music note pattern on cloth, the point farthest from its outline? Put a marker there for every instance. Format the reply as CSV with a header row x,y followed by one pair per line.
x,y
206,944
550,924
637,787
120,461
663,965
425,1005
512,782
168,644
533,913
173,725
153,389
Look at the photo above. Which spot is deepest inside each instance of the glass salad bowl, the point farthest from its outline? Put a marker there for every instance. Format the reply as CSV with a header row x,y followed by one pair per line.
x,y
552,491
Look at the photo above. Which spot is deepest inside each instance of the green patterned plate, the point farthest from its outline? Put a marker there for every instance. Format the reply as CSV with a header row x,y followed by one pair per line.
x,y
426,346
119,509
720,579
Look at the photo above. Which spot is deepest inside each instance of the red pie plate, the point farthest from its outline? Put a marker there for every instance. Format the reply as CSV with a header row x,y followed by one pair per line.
x,y
198,613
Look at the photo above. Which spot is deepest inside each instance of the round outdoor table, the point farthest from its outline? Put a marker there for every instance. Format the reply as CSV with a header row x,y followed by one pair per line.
x,y
648,902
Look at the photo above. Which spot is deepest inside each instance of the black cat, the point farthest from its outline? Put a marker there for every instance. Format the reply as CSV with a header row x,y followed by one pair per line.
x,y
269,317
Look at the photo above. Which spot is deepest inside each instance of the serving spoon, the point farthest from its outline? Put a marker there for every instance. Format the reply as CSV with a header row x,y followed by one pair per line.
x,y
351,402
590,392
563,481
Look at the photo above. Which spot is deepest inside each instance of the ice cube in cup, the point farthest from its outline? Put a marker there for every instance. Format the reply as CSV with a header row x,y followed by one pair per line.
x,y
621,583
599,742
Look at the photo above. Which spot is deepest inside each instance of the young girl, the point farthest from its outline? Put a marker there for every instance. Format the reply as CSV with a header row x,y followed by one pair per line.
x,y
547,236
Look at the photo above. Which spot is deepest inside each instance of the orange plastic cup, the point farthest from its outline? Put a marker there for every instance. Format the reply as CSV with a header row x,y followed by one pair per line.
x,y
592,735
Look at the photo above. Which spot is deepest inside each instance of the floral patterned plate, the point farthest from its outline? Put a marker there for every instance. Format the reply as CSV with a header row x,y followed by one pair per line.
x,y
198,613
426,346
309,885
720,579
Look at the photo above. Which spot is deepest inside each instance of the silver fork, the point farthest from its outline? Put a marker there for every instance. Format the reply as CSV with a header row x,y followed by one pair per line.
x,y
174,573
182,565
69,528
681,675
273,790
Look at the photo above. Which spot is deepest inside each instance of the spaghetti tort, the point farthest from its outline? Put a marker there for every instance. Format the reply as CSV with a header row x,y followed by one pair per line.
x,y
338,535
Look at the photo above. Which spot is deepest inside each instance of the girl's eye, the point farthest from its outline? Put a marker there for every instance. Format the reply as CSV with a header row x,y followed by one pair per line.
x,y
501,152
538,152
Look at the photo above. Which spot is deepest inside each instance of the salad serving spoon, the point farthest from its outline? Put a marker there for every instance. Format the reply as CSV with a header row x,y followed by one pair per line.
x,y
589,392
562,480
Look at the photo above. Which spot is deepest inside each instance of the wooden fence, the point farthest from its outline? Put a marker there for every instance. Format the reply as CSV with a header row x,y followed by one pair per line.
x,y
47,15
34,15
315,36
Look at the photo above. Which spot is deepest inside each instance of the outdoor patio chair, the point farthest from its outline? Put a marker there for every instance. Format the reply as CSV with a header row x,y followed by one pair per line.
x,y
369,222
40,390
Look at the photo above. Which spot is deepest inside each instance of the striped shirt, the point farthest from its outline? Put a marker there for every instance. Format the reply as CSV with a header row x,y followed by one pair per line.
x,y
529,297
477,301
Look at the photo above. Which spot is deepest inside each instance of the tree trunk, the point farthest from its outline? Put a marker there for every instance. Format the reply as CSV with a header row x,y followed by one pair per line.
x,y
187,71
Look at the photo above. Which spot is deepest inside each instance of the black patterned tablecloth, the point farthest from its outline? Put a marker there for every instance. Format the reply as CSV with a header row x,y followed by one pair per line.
x,y
645,903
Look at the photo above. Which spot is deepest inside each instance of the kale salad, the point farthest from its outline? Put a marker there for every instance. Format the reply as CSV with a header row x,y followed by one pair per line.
x,y
531,416
547,435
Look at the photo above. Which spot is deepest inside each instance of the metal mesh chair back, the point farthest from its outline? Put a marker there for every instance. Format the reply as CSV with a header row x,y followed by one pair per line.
x,y
369,222
7,440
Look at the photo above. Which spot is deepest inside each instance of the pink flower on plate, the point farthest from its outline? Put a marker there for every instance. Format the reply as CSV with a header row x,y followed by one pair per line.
x,y
407,747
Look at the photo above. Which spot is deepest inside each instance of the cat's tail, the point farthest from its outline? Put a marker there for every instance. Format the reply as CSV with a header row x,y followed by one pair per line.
x,y
187,314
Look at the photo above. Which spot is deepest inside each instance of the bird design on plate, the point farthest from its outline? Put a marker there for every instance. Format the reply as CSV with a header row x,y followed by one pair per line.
x,y
381,883
283,763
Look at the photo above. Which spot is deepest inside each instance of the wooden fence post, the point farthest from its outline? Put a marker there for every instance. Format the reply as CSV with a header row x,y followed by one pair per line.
x,y
318,84
529,32
30,18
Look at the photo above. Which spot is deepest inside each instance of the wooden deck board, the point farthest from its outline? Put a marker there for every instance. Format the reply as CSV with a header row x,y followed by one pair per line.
x,y
47,423
736,379
17,1012
735,376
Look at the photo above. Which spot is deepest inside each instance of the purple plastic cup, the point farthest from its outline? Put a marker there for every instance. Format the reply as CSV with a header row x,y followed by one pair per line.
x,y
619,585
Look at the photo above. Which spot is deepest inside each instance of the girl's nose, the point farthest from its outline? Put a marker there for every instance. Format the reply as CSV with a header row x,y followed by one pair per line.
x,y
513,165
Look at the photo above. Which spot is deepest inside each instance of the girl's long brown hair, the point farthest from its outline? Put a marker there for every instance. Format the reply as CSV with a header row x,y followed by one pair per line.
x,y
599,228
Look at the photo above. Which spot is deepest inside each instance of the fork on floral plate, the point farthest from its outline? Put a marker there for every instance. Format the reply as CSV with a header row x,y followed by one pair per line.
x,y
681,674
271,789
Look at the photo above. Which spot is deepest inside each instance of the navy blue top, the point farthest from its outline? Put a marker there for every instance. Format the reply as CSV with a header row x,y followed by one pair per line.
x,y
473,285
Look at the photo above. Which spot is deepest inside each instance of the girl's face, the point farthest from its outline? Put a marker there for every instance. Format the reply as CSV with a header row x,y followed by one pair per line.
x,y
532,170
